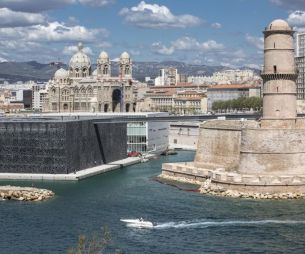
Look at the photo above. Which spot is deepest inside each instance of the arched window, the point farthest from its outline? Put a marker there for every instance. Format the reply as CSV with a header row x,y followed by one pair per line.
x,y
105,70
65,94
84,74
90,91
76,72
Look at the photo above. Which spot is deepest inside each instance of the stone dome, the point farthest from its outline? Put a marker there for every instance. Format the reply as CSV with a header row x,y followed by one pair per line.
x,y
278,24
61,74
103,55
80,59
125,55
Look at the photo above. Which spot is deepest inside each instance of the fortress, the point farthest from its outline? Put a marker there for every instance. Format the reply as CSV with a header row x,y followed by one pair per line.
x,y
262,157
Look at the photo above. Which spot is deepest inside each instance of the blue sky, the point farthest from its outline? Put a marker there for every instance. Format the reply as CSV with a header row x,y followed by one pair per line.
x,y
211,32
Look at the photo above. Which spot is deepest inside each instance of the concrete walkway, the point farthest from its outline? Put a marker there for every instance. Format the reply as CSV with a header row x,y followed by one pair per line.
x,y
82,174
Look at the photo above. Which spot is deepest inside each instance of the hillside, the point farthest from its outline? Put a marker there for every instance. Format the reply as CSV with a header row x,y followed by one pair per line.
x,y
25,71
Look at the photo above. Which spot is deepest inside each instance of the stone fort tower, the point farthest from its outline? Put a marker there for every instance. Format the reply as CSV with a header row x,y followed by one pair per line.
x,y
265,156
279,73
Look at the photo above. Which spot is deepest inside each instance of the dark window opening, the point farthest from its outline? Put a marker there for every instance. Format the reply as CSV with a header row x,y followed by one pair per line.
x,y
274,69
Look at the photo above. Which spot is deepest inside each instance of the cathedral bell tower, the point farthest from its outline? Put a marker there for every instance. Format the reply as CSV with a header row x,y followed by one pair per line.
x,y
125,66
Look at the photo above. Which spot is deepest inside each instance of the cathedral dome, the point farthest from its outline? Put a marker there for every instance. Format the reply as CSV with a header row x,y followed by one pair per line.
x,y
125,55
80,59
278,24
61,74
104,55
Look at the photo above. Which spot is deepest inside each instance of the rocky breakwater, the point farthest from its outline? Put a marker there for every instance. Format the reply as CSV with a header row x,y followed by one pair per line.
x,y
208,187
24,193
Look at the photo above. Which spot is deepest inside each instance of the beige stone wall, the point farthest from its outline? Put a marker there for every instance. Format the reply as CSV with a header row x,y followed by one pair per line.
x,y
278,123
272,150
219,144
279,99
279,46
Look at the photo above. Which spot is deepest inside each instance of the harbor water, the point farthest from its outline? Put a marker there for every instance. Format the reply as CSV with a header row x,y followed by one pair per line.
x,y
185,222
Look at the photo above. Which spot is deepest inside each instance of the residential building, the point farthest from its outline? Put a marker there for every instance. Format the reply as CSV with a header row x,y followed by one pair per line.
x,y
230,92
227,77
180,99
300,65
300,44
167,77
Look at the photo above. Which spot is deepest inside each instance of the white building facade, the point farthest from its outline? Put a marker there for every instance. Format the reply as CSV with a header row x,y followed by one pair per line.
x,y
300,64
167,77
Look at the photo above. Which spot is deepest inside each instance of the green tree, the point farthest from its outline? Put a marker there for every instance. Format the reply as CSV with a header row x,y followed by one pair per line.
x,y
94,244
240,103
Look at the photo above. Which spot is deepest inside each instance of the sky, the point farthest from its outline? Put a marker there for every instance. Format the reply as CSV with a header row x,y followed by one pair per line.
x,y
210,32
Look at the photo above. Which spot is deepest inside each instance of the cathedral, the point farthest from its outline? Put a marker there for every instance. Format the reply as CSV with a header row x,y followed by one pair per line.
x,y
80,89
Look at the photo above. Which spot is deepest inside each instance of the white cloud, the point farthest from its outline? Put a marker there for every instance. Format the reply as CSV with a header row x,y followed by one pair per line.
x,y
45,42
98,3
45,5
257,42
70,50
34,5
291,4
216,25
296,18
160,49
188,43
157,16
104,44
53,32
9,18
3,60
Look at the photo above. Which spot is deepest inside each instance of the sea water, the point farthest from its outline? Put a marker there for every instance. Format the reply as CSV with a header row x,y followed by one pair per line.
x,y
184,222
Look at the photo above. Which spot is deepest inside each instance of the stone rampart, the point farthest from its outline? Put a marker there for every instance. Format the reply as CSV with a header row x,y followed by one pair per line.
x,y
219,144
272,150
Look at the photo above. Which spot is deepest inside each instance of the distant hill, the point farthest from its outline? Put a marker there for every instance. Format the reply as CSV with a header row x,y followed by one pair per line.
x,y
25,71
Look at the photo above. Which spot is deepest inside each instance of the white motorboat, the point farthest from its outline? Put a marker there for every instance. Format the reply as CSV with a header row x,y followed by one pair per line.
x,y
137,223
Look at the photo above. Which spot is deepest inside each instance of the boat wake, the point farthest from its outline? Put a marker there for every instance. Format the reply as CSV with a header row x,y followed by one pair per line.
x,y
136,223
205,223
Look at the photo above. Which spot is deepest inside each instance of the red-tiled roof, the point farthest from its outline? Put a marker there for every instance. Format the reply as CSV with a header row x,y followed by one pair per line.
x,y
232,86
